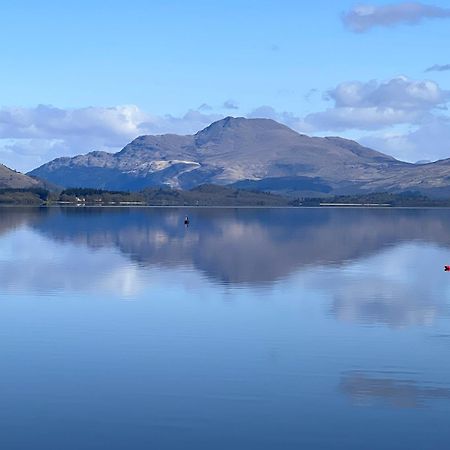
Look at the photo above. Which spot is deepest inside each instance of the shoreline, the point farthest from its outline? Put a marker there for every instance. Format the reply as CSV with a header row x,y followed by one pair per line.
x,y
328,206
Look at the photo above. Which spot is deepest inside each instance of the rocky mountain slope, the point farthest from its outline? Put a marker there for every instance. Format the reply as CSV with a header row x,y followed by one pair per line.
x,y
257,153
10,179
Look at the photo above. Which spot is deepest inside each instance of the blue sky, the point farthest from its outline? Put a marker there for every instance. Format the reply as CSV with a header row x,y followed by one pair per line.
x,y
78,76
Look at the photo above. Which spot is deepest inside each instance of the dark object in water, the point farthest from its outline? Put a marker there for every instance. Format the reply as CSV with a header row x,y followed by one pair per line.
x,y
447,268
186,220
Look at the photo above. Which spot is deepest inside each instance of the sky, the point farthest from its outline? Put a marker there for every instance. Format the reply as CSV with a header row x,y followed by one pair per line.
x,y
93,75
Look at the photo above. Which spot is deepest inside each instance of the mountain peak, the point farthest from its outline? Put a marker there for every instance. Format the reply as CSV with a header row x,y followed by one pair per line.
x,y
240,127
233,122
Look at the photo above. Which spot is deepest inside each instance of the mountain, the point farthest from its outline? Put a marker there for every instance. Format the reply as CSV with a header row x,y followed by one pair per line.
x,y
252,153
10,179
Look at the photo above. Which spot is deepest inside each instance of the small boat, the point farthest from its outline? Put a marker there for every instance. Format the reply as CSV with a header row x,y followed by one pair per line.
x,y
186,220
447,268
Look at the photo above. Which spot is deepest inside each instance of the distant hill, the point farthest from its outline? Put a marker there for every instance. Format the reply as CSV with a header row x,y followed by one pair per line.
x,y
249,153
10,179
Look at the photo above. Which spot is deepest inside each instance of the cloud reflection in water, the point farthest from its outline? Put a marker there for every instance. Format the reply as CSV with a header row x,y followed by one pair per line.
x,y
399,390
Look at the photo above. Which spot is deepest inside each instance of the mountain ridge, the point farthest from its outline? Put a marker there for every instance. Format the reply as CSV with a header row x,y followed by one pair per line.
x,y
237,150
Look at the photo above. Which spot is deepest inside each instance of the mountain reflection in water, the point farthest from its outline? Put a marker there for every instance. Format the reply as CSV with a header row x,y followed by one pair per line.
x,y
366,261
239,245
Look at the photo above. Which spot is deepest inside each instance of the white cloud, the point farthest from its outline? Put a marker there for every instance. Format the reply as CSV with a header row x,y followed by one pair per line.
x,y
367,106
30,137
362,18
397,93
369,118
27,154
405,117
430,140
375,105
189,123
46,121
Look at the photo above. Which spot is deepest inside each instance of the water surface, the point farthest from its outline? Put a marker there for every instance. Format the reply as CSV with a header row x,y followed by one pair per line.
x,y
250,329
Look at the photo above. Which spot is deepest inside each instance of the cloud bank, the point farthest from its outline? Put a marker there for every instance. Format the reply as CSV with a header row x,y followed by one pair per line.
x,y
402,117
30,137
362,18
375,105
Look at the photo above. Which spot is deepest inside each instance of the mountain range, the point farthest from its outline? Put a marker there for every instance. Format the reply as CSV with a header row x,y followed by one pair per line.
x,y
258,154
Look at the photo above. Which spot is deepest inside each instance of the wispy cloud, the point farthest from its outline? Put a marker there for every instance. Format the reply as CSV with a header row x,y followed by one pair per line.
x,y
311,93
205,107
230,104
362,18
438,68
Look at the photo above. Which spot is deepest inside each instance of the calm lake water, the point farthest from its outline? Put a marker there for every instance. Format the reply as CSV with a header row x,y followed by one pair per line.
x,y
252,329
